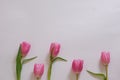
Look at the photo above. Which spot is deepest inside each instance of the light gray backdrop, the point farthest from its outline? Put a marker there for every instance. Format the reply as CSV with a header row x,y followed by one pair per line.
x,y
84,28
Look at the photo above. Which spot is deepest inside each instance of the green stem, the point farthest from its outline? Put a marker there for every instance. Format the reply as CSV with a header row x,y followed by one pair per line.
x,y
77,76
50,68
106,67
18,65
49,71
19,78
18,70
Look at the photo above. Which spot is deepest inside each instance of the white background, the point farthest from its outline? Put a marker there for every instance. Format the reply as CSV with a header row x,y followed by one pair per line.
x,y
84,28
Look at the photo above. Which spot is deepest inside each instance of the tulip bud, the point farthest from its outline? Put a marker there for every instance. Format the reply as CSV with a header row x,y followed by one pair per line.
x,y
54,49
77,66
25,47
105,58
38,70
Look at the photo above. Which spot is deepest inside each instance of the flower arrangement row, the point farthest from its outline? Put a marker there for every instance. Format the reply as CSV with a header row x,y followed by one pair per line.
x,y
77,64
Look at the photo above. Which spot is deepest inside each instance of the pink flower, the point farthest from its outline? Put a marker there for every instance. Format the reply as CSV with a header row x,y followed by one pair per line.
x,y
54,49
25,47
77,65
38,70
105,58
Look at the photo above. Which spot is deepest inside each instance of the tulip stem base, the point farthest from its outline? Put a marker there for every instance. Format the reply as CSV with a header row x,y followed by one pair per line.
x,y
37,78
106,67
50,68
77,75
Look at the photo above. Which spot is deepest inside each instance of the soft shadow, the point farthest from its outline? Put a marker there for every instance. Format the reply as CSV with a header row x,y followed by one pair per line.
x,y
14,67
71,75
101,67
102,70
99,78
32,76
47,59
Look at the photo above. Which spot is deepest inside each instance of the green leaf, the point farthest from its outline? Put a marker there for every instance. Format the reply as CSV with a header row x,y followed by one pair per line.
x,y
59,58
18,64
27,60
97,74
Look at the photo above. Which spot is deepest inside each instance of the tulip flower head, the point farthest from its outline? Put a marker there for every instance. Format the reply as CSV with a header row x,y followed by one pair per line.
x,y
105,58
38,70
25,47
20,60
54,49
77,66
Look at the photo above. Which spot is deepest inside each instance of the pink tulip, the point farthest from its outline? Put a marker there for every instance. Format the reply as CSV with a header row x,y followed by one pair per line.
x,y
25,47
54,49
38,70
77,66
105,58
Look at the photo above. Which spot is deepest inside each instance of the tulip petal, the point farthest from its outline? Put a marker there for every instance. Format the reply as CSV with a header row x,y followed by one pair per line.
x,y
25,47
54,49
105,58
38,70
77,65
